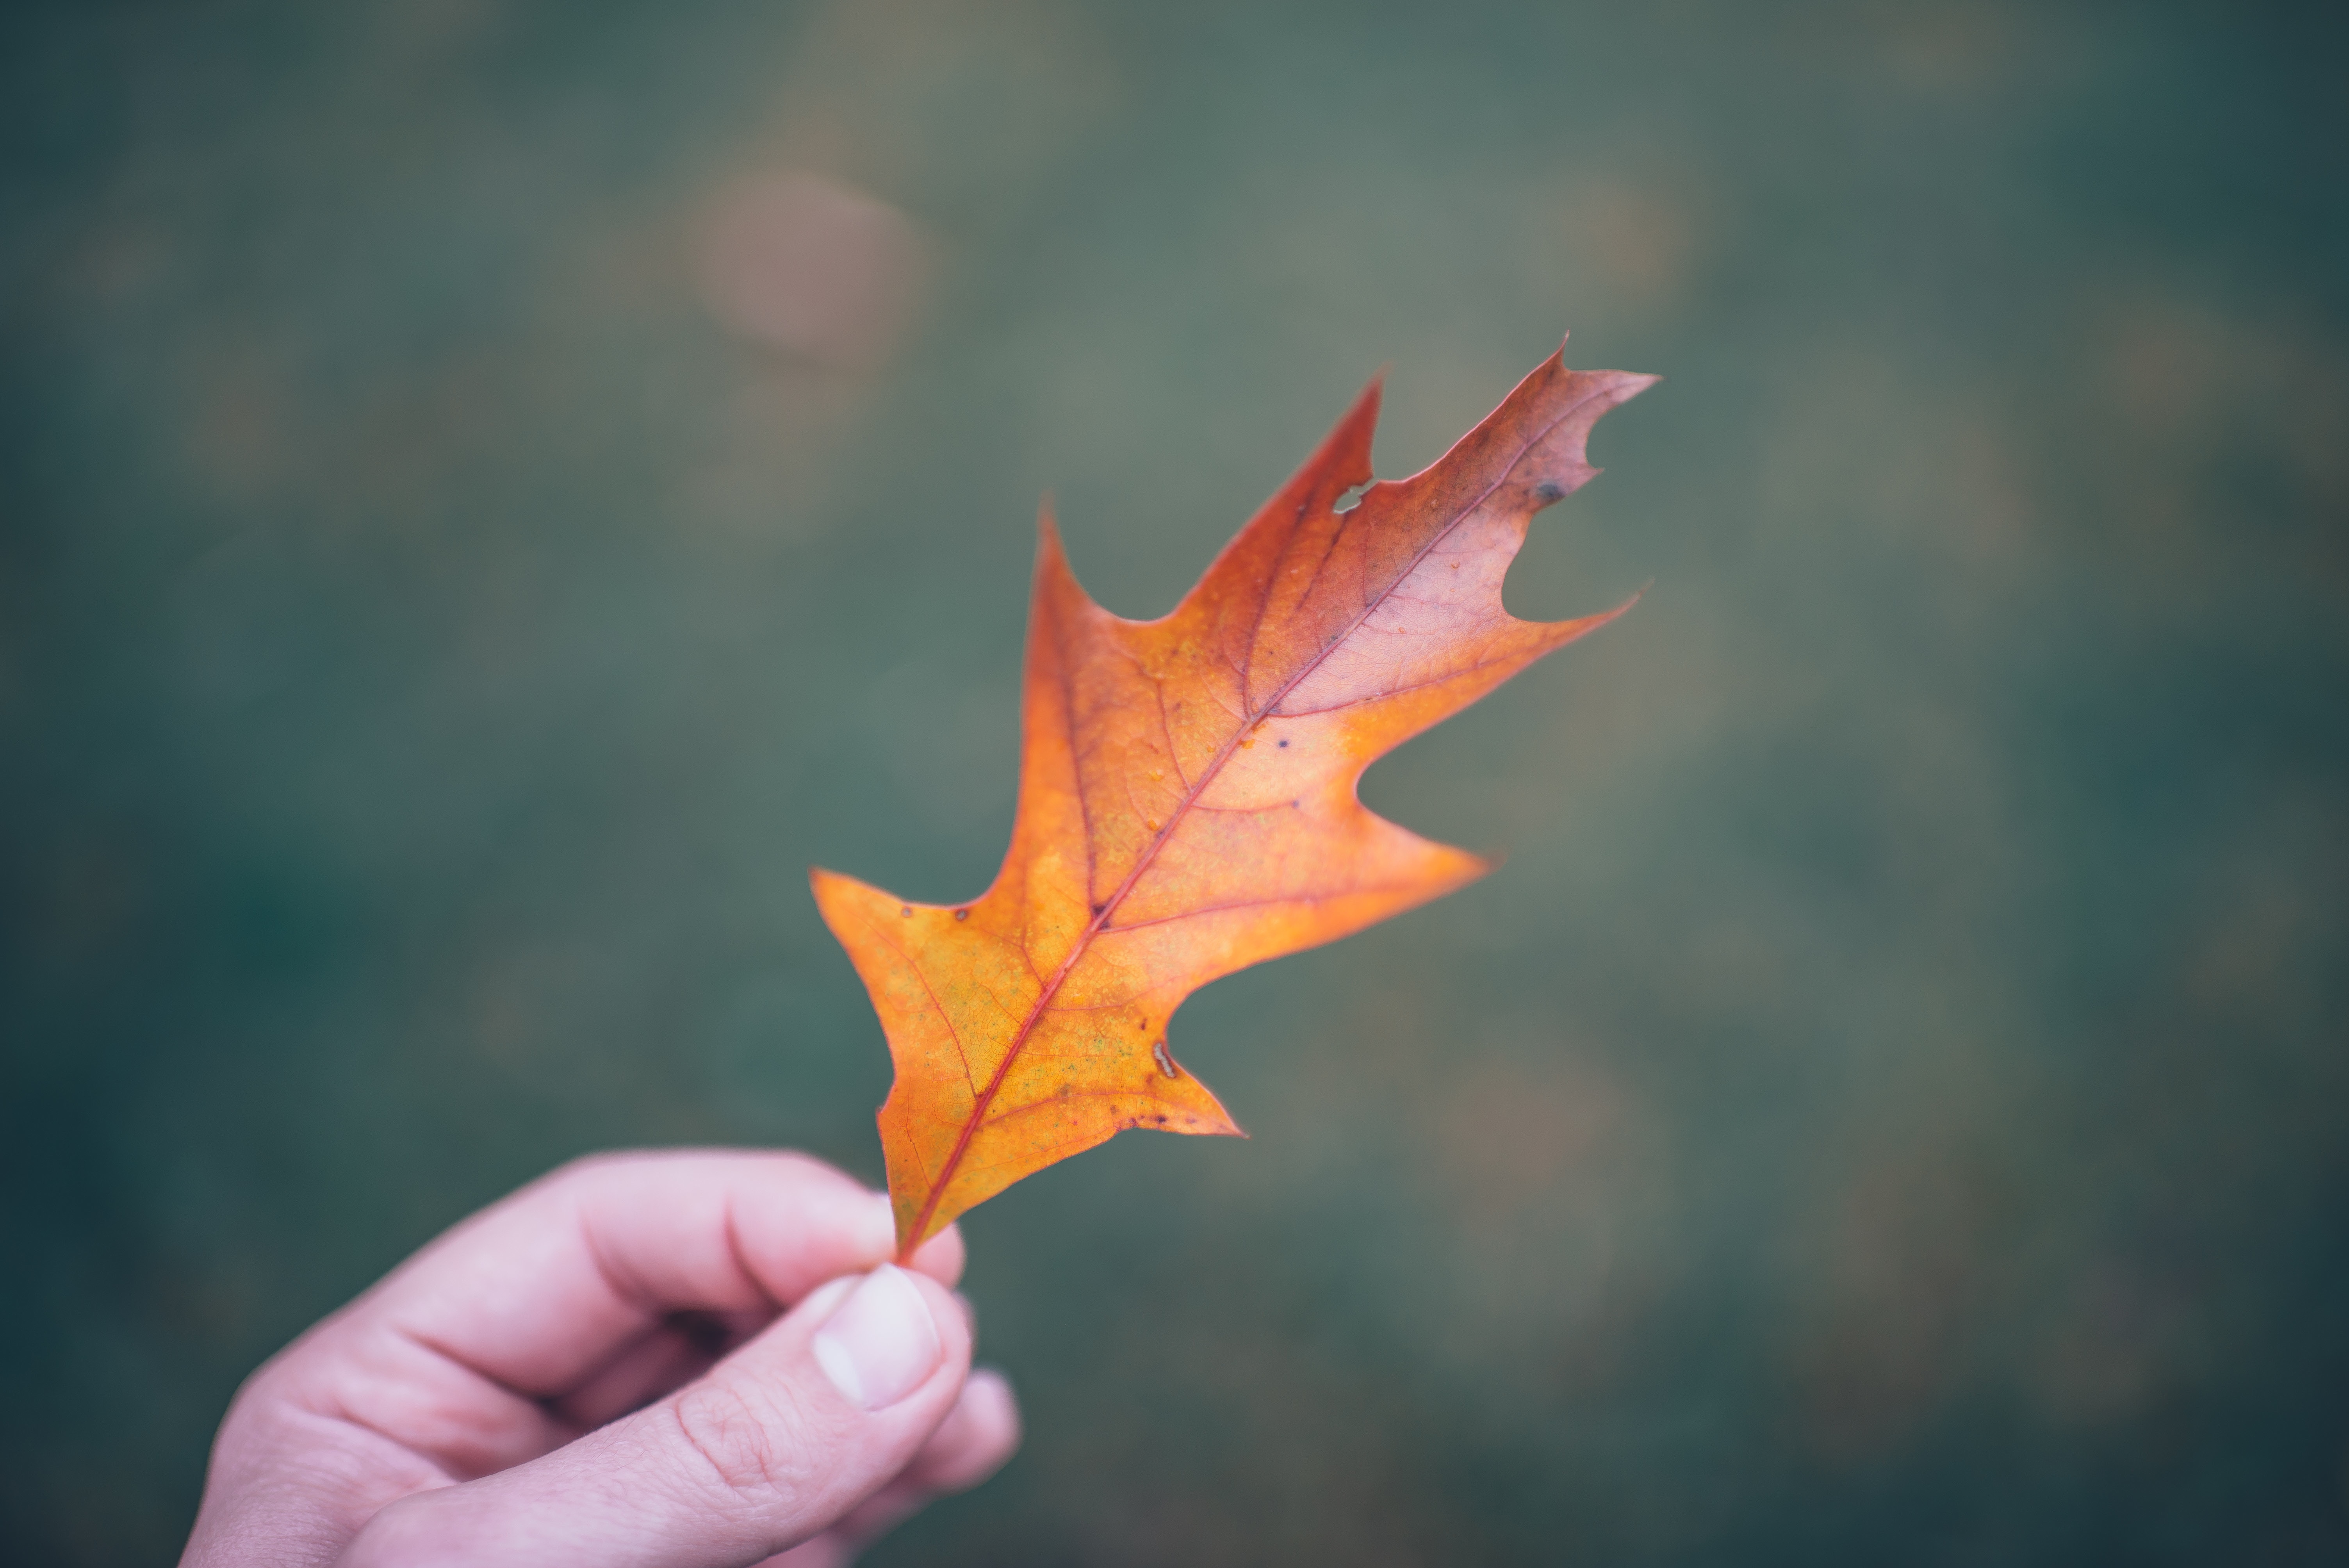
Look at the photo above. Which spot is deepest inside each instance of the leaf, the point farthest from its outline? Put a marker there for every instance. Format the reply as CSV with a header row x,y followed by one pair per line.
x,y
1187,798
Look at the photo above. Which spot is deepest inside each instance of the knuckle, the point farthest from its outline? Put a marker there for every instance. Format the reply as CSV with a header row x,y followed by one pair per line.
x,y
798,1168
585,1170
744,1439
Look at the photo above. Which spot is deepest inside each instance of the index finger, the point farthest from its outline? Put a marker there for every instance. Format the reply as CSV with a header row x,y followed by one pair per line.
x,y
539,1290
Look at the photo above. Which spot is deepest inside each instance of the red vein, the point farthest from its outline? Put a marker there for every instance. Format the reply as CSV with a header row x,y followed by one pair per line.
x,y
1252,904
929,990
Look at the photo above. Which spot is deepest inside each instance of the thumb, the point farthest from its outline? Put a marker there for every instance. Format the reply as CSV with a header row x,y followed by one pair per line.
x,y
779,1440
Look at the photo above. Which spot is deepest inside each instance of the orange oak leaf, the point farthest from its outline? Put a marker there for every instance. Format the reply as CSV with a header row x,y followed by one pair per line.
x,y
1187,798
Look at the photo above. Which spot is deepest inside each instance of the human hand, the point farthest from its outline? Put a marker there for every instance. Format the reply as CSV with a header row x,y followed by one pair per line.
x,y
637,1359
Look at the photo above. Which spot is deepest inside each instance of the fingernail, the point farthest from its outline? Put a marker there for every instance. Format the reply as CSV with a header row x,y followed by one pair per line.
x,y
882,1344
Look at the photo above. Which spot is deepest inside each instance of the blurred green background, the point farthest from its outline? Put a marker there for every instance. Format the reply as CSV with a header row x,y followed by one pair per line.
x,y
491,489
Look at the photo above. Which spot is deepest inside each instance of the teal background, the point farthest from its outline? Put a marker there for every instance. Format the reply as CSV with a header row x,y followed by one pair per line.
x,y
1893,1105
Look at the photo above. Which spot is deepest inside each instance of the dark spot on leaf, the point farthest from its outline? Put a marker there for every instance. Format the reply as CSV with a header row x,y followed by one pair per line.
x,y
906,909
1284,743
962,914
1098,908
1547,492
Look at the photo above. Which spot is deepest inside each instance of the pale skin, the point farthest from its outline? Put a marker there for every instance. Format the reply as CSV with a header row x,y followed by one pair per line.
x,y
680,1360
